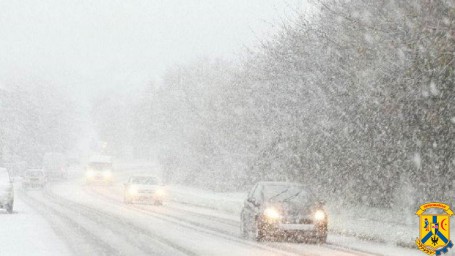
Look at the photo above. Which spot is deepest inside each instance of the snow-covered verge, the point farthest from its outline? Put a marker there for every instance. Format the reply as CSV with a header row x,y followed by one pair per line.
x,y
389,226
392,226
25,232
226,202
359,221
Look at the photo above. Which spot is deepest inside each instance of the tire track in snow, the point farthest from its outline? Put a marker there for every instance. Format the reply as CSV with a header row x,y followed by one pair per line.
x,y
68,228
124,227
105,192
280,248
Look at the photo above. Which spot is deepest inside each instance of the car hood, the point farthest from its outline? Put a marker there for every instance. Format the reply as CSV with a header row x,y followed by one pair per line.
x,y
32,177
292,208
142,186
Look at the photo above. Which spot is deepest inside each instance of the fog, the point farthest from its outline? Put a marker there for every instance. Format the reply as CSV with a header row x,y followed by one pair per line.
x,y
90,46
316,127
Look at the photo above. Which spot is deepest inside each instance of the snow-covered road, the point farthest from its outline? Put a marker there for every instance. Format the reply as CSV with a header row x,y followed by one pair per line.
x,y
70,217
26,232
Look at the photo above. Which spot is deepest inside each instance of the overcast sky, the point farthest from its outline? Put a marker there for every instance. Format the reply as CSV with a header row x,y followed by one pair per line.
x,y
89,46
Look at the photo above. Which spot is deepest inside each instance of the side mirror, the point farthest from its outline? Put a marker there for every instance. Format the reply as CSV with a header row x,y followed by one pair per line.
x,y
253,201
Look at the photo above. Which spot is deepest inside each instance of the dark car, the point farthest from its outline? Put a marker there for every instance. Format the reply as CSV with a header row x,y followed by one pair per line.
x,y
283,210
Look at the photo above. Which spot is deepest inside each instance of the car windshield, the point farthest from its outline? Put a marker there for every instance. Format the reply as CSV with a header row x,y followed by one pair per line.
x,y
284,192
100,166
34,174
145,180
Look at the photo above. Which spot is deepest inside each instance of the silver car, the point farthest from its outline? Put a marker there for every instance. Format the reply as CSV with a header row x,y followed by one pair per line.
x,y
6,191
144,189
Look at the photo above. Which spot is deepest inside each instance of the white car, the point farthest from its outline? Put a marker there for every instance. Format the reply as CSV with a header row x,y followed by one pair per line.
x,y
34,178
144,189
6,191
99,170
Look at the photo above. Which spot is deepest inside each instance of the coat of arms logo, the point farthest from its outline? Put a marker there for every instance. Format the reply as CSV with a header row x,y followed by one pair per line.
x,y
434,229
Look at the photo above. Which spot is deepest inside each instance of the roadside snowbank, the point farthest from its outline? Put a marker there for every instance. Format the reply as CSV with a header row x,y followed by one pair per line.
x,y
389,226
362,222
25,232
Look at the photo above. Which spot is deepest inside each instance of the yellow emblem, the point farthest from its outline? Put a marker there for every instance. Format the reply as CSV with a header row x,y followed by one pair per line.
x,y
434,229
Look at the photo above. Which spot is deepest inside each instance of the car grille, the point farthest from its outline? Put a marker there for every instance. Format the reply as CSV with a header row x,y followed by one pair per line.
x,y
293,216
146,191
297,220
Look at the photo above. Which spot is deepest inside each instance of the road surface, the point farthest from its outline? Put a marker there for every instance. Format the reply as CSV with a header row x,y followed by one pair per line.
x,y
71,218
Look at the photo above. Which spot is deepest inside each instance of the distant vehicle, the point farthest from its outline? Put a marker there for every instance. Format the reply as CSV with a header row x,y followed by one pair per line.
x,y
6,191
283,210
55,166
34,178
99,170
16,168
144,189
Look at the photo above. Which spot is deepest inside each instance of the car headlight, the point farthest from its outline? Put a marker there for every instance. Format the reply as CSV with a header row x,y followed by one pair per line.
x,y
132,190
160,192
319,215
272,213
107,174
90,174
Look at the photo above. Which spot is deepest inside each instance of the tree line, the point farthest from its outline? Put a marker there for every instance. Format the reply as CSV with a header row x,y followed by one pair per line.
x,y
35,118
356,100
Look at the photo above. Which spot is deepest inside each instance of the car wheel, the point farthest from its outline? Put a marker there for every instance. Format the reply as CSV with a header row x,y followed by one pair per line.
x,y
9,207
243,230
322,239
127,199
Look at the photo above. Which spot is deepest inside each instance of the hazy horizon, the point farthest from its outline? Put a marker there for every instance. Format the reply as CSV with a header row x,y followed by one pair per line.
x,y
88,47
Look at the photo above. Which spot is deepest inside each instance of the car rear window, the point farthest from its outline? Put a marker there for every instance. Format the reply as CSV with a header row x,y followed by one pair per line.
x,y
34,174
145,180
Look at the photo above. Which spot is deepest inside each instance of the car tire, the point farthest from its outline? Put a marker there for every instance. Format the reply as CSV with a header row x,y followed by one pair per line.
x,y
127,200
9,207
243,231
321,239
321,236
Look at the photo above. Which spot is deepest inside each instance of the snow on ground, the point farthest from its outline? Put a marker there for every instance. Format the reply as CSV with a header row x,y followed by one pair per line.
x,y
178,229
346,228
347,225
25,232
